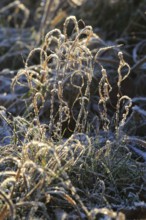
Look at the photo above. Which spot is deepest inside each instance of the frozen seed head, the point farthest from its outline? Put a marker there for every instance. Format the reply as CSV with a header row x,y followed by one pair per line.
x,y
103,72
120,55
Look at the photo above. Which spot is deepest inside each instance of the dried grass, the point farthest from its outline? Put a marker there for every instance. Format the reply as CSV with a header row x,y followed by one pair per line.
x,y
71,150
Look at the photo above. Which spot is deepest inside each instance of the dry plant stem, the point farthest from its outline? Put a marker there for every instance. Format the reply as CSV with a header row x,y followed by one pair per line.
x,y
105,60
13,4
5,212
35,104
71,187
47,9
51,124
76,27
17,178
42,53
20,6
74,193
121,78
34,204
127,107
103,49
60,96
37,186
104,90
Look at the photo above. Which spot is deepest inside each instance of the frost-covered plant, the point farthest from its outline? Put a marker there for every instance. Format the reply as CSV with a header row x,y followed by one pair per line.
x,y
59,76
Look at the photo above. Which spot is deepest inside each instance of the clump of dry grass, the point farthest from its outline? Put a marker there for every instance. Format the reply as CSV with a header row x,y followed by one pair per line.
x,y
38,181
61,79
60,75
